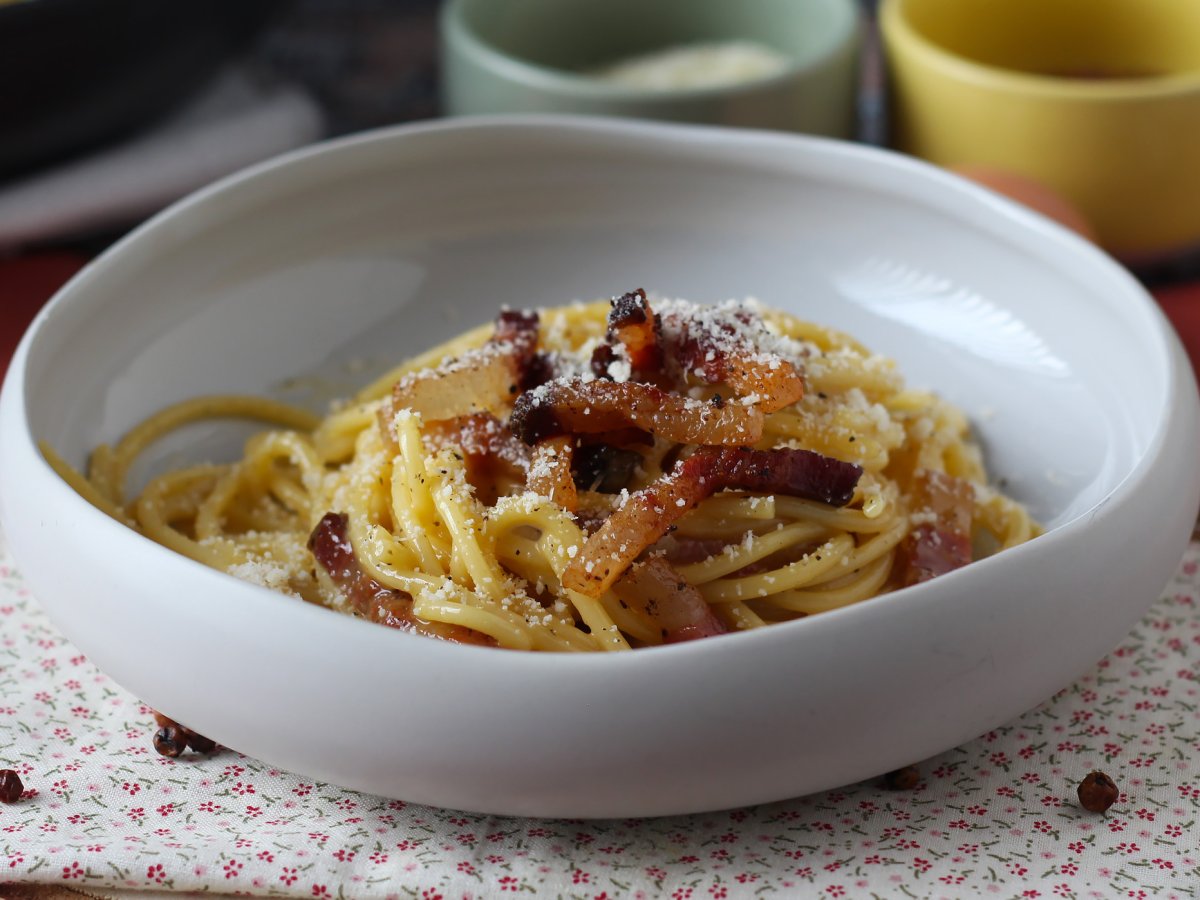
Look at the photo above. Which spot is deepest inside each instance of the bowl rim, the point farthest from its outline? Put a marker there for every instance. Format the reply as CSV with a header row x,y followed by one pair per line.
x,y
16,391
900,35
456,32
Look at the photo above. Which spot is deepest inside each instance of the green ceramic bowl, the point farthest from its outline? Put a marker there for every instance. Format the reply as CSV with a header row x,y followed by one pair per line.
x,y
534,56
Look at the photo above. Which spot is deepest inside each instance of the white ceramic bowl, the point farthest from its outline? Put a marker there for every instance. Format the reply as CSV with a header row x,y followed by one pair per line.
x,y
374,247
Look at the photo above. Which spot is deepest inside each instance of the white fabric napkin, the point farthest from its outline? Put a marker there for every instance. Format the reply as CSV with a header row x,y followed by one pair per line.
x,y
233,123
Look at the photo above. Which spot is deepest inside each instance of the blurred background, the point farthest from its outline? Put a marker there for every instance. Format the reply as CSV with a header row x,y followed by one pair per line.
x,y
172,98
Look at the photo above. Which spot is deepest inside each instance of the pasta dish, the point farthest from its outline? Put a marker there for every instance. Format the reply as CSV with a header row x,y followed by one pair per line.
x,y
590,477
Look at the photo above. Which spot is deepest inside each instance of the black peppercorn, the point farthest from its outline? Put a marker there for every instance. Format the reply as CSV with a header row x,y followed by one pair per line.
x,y
200,743
170,740
904,779
1097,792
11,788
163,721
182,738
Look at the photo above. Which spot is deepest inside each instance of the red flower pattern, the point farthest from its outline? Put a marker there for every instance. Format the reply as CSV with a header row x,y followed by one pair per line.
x,y
95,792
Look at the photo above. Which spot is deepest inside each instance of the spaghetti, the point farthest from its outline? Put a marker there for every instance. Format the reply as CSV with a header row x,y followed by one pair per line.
x,y
592,477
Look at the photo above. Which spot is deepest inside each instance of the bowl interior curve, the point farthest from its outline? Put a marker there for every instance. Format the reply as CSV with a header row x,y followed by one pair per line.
x,y
314,275
306,276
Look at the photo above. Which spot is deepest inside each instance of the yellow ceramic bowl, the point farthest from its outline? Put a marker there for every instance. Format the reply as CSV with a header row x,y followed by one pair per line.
x,y
1097,99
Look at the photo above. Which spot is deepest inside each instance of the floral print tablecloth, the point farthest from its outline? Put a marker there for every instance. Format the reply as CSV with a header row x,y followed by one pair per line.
x,y
995,817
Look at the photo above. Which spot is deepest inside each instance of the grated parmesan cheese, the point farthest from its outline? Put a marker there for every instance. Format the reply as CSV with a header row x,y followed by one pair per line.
x,y
693,66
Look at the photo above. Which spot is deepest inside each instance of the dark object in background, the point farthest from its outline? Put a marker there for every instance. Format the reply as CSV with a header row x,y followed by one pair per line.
x,y
369,63
78,73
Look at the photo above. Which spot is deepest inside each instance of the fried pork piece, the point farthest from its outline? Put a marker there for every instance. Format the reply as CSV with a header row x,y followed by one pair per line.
x,y
940,540
550,471
330,546
492,455
720,348
648,514
486,379
594,407
633,324
654,589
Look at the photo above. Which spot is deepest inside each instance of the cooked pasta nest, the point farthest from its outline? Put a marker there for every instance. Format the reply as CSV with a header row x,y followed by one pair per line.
x,y
589,477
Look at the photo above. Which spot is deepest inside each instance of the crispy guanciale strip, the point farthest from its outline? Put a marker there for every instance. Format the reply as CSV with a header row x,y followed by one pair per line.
x,y
330,546
936,547
491,454
593,407
518,329
636,327
717,351
648,514
634,336
653,588
550,471
485,379
481,436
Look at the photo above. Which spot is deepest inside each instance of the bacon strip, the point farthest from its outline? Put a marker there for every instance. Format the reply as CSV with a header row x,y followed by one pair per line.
x,y
649,513
592,407
490,451
482,380
331,547
718,353
550,472
935,548
518,329
482,437
634,324
656,590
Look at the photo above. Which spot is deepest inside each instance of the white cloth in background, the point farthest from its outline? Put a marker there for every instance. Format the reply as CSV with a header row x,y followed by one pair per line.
x,y
232,124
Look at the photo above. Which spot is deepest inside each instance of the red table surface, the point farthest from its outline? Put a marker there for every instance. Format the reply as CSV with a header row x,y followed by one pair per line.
x,y
26,283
